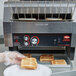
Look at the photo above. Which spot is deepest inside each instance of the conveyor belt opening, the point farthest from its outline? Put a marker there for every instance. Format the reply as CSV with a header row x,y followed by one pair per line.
x,y
42,16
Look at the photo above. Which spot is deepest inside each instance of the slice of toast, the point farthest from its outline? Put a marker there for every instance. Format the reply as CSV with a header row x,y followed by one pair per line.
x,y
29,63
53,19
46,58
58,62
26,19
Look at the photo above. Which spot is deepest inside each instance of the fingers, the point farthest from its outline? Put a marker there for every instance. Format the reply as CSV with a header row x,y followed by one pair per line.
x,y
19,54
14,61
17,62
13,57
19,58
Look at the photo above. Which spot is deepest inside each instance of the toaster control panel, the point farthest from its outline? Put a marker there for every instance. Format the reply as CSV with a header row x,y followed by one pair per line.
x,y
30,40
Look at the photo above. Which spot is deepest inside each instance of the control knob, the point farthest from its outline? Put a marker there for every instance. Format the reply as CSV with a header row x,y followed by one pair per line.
x,y
26,38
26,43
35,40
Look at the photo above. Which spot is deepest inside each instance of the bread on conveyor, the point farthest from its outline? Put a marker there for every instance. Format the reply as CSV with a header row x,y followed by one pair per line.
x,y
27,55
58,62
46,58
29,63
53,19
27,19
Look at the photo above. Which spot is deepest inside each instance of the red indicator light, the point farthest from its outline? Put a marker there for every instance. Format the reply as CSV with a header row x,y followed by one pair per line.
x,y
16,40
66,37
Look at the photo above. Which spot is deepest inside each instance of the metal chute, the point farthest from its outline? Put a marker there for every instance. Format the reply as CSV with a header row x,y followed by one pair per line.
x,y
43,9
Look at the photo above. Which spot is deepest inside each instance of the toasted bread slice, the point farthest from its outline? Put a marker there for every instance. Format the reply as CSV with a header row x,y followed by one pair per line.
x,y
58,62
27,55
29,63
26,19
46,58
53,19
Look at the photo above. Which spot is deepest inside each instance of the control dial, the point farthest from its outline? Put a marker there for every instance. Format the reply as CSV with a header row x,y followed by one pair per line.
x,y
26,43
26,38
35,40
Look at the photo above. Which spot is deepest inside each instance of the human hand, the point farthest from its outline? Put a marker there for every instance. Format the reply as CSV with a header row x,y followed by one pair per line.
x,y
13,57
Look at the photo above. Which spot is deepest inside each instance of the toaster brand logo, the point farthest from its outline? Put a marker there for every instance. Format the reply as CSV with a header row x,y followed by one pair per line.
x,y
66,37
42,24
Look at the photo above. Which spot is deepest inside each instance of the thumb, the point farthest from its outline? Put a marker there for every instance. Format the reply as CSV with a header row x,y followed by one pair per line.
x,y
19,58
